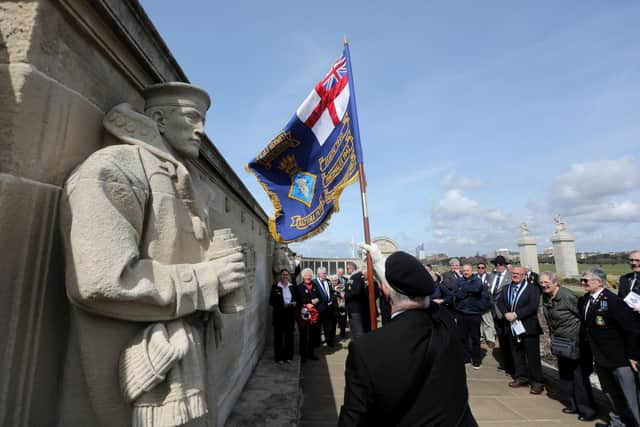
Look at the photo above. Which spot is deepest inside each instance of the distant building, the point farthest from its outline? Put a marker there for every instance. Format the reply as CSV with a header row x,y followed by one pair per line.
x,y
331,264
502,251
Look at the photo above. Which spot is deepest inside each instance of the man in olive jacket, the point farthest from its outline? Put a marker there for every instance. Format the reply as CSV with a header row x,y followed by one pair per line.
x,y
411,371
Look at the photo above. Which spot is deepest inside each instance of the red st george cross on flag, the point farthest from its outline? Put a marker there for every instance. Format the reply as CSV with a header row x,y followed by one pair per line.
x,y
325,106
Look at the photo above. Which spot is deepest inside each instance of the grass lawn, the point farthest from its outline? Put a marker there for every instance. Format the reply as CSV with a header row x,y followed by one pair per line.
x,y
611,269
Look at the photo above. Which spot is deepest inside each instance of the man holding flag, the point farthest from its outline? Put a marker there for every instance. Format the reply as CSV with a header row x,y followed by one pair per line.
x,y
304,169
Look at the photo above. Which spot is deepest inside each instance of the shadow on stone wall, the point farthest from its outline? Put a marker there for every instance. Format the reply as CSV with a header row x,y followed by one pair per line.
x,y
33,307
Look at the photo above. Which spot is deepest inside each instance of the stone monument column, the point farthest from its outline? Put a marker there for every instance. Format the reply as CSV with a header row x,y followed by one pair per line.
x,y
564,249
528,249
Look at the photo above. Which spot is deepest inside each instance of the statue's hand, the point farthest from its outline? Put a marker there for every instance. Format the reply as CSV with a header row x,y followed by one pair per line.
x,y
231,272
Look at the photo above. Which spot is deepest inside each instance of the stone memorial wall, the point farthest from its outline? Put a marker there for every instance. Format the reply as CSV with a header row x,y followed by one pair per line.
x,y
63,65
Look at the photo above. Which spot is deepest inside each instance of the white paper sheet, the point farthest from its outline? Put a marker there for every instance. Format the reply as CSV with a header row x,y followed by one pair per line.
x,y
632,300
517,328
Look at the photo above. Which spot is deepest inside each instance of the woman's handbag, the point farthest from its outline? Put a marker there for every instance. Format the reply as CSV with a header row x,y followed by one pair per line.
x,y
565,347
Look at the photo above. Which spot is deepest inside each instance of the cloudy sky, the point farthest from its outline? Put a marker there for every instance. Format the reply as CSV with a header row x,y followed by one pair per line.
x,y
474,116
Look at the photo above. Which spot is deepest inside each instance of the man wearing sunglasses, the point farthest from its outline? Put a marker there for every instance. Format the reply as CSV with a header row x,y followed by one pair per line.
x,y
630,282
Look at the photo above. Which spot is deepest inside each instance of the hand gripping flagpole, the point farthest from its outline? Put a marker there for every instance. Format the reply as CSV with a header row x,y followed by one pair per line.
x,y
363,195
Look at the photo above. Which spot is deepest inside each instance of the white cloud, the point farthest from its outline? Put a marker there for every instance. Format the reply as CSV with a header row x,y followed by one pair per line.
x,y
598,192
589,182
625,211
452,181
496,215
454,205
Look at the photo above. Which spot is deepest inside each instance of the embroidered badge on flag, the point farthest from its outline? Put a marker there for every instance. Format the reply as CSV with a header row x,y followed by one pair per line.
x,y
305,168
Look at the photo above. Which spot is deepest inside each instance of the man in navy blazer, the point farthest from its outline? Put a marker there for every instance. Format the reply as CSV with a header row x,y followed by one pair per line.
x,y
326,306
613,334
630,281
519,303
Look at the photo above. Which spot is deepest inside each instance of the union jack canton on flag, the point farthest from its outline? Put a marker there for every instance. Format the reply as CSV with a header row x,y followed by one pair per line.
x,y
307,165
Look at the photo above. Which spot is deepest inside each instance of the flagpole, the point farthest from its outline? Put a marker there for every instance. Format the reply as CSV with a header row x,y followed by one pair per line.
x,y
363,197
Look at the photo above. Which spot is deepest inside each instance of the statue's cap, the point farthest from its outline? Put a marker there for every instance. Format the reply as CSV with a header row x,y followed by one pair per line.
x,y
176,94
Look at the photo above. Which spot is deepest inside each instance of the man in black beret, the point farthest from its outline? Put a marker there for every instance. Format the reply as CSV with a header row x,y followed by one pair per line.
x,y
411,371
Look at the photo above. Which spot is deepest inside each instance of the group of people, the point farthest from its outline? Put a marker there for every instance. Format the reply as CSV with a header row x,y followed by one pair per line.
x,y
600,330
319,305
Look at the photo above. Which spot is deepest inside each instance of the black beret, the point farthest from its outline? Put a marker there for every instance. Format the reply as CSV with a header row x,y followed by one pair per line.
x,y
407,275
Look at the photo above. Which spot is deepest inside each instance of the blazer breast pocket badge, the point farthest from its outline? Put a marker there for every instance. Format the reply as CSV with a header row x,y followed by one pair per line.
x,y
600,320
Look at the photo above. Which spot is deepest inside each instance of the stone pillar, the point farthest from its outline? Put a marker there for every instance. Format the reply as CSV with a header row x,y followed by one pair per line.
x,y
529,253
564,250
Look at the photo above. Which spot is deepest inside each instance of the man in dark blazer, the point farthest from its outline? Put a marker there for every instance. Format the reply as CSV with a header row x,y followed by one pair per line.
x,y
284,300
630,281
451,277
326,307
411,371
532,277
613,334
496,282
355,298
519,303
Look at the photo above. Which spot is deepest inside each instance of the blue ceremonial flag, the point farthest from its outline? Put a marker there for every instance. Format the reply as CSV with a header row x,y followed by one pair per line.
x,y
317,155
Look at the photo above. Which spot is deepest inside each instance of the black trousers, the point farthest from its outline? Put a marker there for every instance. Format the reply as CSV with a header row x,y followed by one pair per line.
x,y
469,329
341,321
328,322
355,325
504,340
307,345
525,351
574,377
283,324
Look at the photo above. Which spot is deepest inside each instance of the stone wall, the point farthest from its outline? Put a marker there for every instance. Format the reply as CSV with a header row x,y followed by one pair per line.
x,y
63,64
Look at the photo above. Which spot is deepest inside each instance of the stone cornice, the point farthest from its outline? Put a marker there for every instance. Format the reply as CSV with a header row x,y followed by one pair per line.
x,y
126,35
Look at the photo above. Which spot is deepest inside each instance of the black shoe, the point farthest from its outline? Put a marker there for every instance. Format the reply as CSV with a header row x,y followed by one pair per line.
x,y
601,425
589,418
569,411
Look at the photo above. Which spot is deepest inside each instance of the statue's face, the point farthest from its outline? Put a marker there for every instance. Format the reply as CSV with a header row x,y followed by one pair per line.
x,y
183,129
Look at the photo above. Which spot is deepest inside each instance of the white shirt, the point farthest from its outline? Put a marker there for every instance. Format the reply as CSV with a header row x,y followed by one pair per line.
x,y
594,296
286,293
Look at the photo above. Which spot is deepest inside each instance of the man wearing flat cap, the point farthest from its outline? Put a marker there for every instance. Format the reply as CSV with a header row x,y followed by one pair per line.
x,y
143,274
411,371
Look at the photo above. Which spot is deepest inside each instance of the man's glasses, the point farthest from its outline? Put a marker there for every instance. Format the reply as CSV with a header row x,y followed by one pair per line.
x,y
481,267
584,280
634,259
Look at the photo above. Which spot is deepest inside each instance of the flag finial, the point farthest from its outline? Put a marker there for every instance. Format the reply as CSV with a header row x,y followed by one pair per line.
x,y
346,41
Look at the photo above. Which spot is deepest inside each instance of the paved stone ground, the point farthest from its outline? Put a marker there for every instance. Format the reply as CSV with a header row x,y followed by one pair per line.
x,y
271,397
493,403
